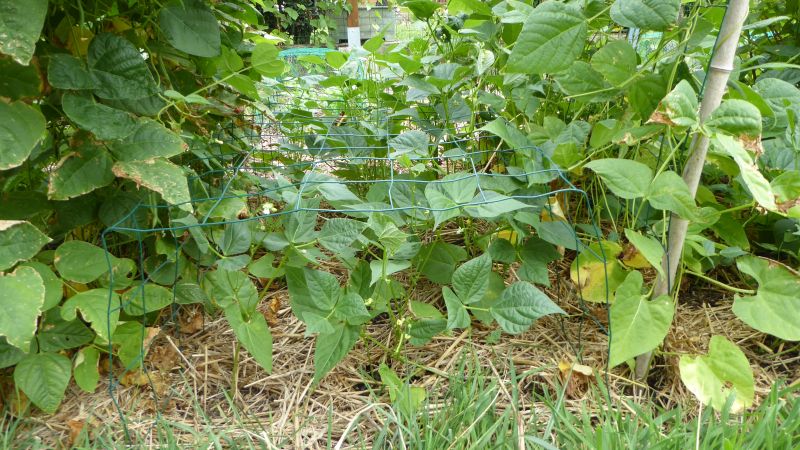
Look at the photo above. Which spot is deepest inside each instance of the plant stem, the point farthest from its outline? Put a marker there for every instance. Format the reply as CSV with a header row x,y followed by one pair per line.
x,y
405,360
476,308
738,208
720,284
271,280
235,370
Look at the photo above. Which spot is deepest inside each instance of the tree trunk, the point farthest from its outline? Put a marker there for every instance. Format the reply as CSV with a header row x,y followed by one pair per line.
x,y
353,26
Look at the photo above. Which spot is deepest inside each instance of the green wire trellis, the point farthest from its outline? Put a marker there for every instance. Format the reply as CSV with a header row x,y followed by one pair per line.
x,y
292,159
303,60
295,57
304,141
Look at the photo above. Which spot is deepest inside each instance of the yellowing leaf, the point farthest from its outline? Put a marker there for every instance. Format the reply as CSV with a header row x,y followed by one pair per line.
x,y
718,375
72,288
509,235
634,259
78,39
648,251
553,212
597,273
120,24
565,367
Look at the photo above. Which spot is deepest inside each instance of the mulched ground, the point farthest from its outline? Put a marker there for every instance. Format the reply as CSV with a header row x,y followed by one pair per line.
x,y
190,369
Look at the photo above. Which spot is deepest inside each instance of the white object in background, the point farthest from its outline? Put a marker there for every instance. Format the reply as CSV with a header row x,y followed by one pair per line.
x,y
353,37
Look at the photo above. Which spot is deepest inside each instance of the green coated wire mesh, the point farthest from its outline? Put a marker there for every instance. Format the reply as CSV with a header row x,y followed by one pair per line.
x,y
277,176
296,52
304,61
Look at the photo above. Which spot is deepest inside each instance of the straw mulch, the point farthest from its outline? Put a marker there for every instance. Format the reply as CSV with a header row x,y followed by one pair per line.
x,y
190,369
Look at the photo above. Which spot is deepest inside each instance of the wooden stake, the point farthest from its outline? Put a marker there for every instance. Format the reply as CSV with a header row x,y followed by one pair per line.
x,y
716,79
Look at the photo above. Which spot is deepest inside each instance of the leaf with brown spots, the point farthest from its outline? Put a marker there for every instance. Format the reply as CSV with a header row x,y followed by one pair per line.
x,y
158,175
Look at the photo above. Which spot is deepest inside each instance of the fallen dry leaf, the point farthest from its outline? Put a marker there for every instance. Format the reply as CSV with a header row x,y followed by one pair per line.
x,y
164,358
18,403
135,378
150,335
154,380
576,377
76,426
271,314
192,322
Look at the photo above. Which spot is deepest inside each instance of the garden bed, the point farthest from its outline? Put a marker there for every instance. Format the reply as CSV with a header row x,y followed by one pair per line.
x,y
190,385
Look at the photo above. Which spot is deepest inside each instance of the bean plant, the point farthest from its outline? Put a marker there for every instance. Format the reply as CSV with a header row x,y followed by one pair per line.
x,y
137,179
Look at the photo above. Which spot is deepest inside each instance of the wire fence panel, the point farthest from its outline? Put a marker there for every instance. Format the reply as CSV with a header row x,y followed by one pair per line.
x,y
278,180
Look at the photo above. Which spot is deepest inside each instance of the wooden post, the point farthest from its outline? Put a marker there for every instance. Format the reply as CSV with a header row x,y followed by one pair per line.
x,y
353,26
717,78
